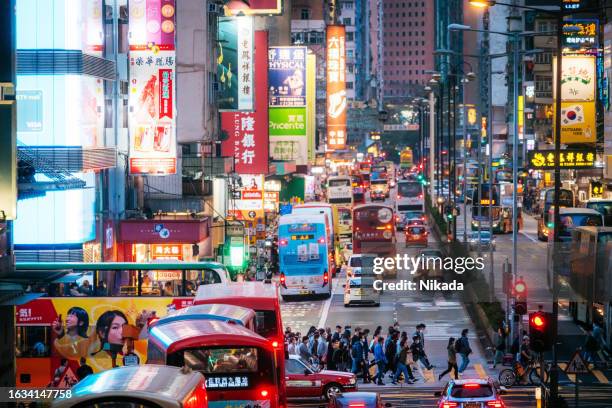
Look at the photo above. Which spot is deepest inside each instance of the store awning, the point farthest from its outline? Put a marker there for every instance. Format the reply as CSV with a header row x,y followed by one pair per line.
x,y
164,231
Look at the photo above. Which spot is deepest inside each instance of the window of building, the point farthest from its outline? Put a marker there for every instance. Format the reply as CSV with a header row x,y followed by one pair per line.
x,y
350,68
347,5
349,85
305,14
350,36
346,21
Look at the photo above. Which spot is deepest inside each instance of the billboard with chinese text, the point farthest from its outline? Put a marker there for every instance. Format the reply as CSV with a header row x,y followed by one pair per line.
x,y
336,88
247,202
287,76
247,132
288,134
235,63
568,159
152,99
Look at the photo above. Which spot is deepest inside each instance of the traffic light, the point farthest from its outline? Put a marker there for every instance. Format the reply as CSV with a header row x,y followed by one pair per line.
x,y
520,296
540,333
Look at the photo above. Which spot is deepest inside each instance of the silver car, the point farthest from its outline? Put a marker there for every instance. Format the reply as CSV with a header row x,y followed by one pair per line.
x,y
486,242
471,393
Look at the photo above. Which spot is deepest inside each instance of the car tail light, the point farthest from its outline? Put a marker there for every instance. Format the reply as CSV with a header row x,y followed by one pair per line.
x,y
321,240
264,393
197,398
325,278
357,405
420,195
275,344
282,242
495,404
471,385
448,405
283,280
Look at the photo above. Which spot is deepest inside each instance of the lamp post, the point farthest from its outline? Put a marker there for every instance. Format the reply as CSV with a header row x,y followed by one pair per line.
x,y
432,142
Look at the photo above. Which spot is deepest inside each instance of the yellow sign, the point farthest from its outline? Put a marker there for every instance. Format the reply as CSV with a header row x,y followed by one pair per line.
x,y
521,127
568,159
577,122
472,116
597,189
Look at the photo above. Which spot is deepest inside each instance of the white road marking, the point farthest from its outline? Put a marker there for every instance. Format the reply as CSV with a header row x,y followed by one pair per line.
x,y
327,303
529,237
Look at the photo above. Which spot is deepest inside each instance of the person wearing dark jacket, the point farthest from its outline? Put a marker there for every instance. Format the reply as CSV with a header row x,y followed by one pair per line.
x,y
356,354
500,347
402,366
463,348
452,360
331,350
340,357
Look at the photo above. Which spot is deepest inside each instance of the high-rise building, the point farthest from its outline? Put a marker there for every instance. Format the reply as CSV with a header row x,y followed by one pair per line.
x,y
407,46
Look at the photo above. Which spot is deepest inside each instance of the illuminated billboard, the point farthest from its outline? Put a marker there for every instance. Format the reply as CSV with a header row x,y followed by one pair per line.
x,y
254,7
152,99
247,203
247,132
235,63
336,88
287,76
58,217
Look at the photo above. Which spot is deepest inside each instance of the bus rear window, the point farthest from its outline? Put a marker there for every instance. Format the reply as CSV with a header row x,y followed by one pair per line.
x,y
339,183
265,323
222,360
409,189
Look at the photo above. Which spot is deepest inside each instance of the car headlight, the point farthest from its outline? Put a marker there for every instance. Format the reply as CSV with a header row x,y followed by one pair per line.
x,y
472,241
353,381
495,225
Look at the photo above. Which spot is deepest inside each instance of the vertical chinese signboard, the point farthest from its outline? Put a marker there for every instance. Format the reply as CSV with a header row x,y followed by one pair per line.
x,y
152,118
247,132
336,88
311,108
578,79
235,63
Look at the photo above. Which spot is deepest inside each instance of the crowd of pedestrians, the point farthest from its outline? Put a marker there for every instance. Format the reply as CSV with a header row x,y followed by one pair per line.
x,y
374,356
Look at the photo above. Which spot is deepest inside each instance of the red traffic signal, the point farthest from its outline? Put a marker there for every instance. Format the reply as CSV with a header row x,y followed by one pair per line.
x,y
538,322
540,333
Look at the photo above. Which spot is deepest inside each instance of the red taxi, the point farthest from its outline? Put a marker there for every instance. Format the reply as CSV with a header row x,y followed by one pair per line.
x,y
305,381
415,235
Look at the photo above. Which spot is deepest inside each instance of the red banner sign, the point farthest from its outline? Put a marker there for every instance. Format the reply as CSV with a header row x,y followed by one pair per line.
x,y
165,93
336,88
247,132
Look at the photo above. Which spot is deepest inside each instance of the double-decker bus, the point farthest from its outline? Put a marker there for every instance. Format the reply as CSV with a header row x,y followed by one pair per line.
x,y
331,214
239,366
96,312
410,197
264,300
374,231
546,200
304,251
358,189
590,279
406,159
345,216
339,190
570,219
226,313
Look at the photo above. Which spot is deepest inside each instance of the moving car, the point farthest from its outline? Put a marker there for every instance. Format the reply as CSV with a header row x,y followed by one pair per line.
x,y
470,393
359,290
356,400
432,264
306,381
404,219
357,262
416,235
486,241
138,386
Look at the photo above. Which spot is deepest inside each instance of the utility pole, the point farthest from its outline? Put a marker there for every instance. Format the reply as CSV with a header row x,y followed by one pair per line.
x,y
432,143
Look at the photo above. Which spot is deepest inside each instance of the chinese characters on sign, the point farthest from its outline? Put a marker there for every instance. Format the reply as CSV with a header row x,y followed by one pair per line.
x,y
245,63
580,33
287,76
227,382
578,78
597,189
167,251
152,96
336,88
568,159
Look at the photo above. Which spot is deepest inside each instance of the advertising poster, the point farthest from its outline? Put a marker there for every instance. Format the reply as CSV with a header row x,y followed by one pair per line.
x,y
578,122
235,63
151,113
247,132
152,24
255,7
288,134
287,76
76,332
247,204
578,78
152,99
336,88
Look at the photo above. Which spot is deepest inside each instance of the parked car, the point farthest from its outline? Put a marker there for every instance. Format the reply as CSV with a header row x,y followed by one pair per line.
x,y
472,393
306,381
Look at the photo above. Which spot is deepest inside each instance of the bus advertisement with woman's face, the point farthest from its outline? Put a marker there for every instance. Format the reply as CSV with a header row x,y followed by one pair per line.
x,y
60,339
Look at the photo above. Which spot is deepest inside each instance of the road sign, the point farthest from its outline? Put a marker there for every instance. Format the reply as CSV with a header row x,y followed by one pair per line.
x,y
577,365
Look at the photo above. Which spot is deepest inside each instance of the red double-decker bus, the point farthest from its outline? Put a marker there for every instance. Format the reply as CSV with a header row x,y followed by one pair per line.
x,y
374,231
239,366
264,300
